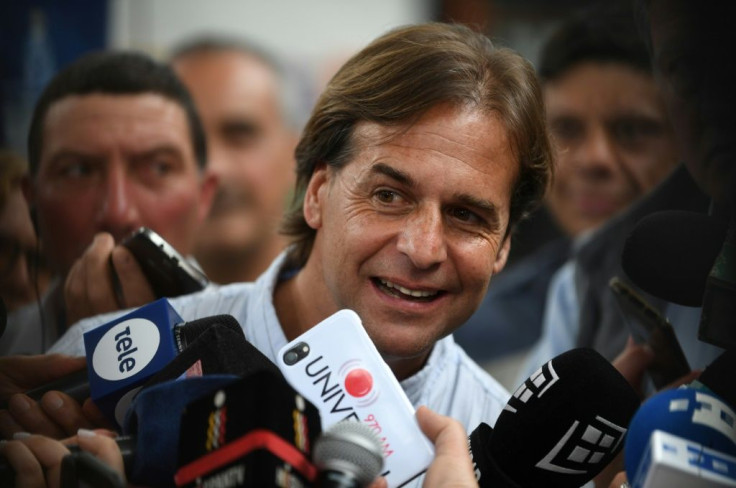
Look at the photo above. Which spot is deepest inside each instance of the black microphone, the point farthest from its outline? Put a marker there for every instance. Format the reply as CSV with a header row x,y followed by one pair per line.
x,y
718,318
76,384
670,254
560,428
348,455
257,431
717,377
219,356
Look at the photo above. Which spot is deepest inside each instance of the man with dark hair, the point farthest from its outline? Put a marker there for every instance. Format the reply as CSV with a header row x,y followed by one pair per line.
x,y
115,143
247,106
422,152
582,309
613,145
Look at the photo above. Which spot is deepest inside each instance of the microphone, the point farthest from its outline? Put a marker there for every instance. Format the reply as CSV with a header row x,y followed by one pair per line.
x,y
717,377
348,455
154,416
678,417
560,428
76,384
719,299
670,254
257,431
124,353
126,445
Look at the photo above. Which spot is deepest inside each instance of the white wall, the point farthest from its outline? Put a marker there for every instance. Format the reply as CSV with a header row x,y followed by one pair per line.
x,y
311,32
312,37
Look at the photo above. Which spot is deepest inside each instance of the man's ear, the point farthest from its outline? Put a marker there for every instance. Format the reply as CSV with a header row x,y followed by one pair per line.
x,y
314,196
503,255
207,190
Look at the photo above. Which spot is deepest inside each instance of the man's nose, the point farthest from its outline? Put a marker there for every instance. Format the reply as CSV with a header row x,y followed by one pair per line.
x,y
118,212
422,238
596,154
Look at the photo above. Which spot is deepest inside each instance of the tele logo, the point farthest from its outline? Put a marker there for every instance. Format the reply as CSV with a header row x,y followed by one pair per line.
x,y
132,343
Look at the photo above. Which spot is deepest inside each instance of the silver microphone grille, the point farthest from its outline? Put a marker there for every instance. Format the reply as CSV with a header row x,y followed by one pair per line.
x,y
350,447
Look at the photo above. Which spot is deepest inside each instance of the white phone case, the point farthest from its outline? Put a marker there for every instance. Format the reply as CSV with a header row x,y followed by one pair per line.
x,y
337,367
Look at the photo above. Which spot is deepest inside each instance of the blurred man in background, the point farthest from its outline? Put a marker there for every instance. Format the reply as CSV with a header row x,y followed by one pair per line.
x,y
115,143
613,144
248,112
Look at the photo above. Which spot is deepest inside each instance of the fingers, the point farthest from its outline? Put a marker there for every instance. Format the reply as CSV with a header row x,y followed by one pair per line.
x,y
57,415
442,431
103,447
633,362
688,378
619,480
8,425
379,482
65,412
30,417
35,459
88,289
135,287
451,465
19,374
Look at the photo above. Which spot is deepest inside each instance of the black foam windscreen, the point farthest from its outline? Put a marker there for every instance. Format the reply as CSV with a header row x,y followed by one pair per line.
x,y
188,332
220,349
718,377
564,424
669,254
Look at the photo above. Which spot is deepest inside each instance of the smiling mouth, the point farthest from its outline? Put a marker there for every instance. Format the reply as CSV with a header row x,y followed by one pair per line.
x,y
406,293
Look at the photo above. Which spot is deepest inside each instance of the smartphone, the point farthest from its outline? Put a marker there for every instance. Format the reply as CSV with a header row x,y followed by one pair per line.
x,y
649,326
336,366
168,272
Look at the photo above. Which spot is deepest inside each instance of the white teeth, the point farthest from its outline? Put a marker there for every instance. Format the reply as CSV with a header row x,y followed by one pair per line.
x,y
407,291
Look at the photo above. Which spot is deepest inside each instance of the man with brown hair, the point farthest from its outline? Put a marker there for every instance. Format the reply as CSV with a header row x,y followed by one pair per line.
x,y
420,155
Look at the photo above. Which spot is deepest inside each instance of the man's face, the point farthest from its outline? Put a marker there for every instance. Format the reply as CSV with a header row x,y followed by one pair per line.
x,y
613,142
113,163
692,45
250,147
410,231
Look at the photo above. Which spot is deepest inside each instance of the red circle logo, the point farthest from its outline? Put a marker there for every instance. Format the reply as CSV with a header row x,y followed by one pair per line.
x,y
358,382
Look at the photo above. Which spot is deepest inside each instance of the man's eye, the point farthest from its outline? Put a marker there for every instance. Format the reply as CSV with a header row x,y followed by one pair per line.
x,y
464,215
566,130
76,170
161,168
633,132
386,196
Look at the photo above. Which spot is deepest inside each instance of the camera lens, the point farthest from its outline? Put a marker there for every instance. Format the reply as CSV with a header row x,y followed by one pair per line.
x,y
296,353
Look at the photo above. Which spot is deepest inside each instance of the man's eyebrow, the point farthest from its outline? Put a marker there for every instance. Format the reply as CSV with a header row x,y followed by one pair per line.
x,y
74,154
393,173
158,150
239,125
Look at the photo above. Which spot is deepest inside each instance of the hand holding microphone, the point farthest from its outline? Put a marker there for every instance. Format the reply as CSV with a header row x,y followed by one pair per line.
x,y
55,414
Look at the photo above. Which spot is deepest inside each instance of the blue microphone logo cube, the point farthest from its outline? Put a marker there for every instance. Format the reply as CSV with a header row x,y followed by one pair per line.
x,y
124,353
